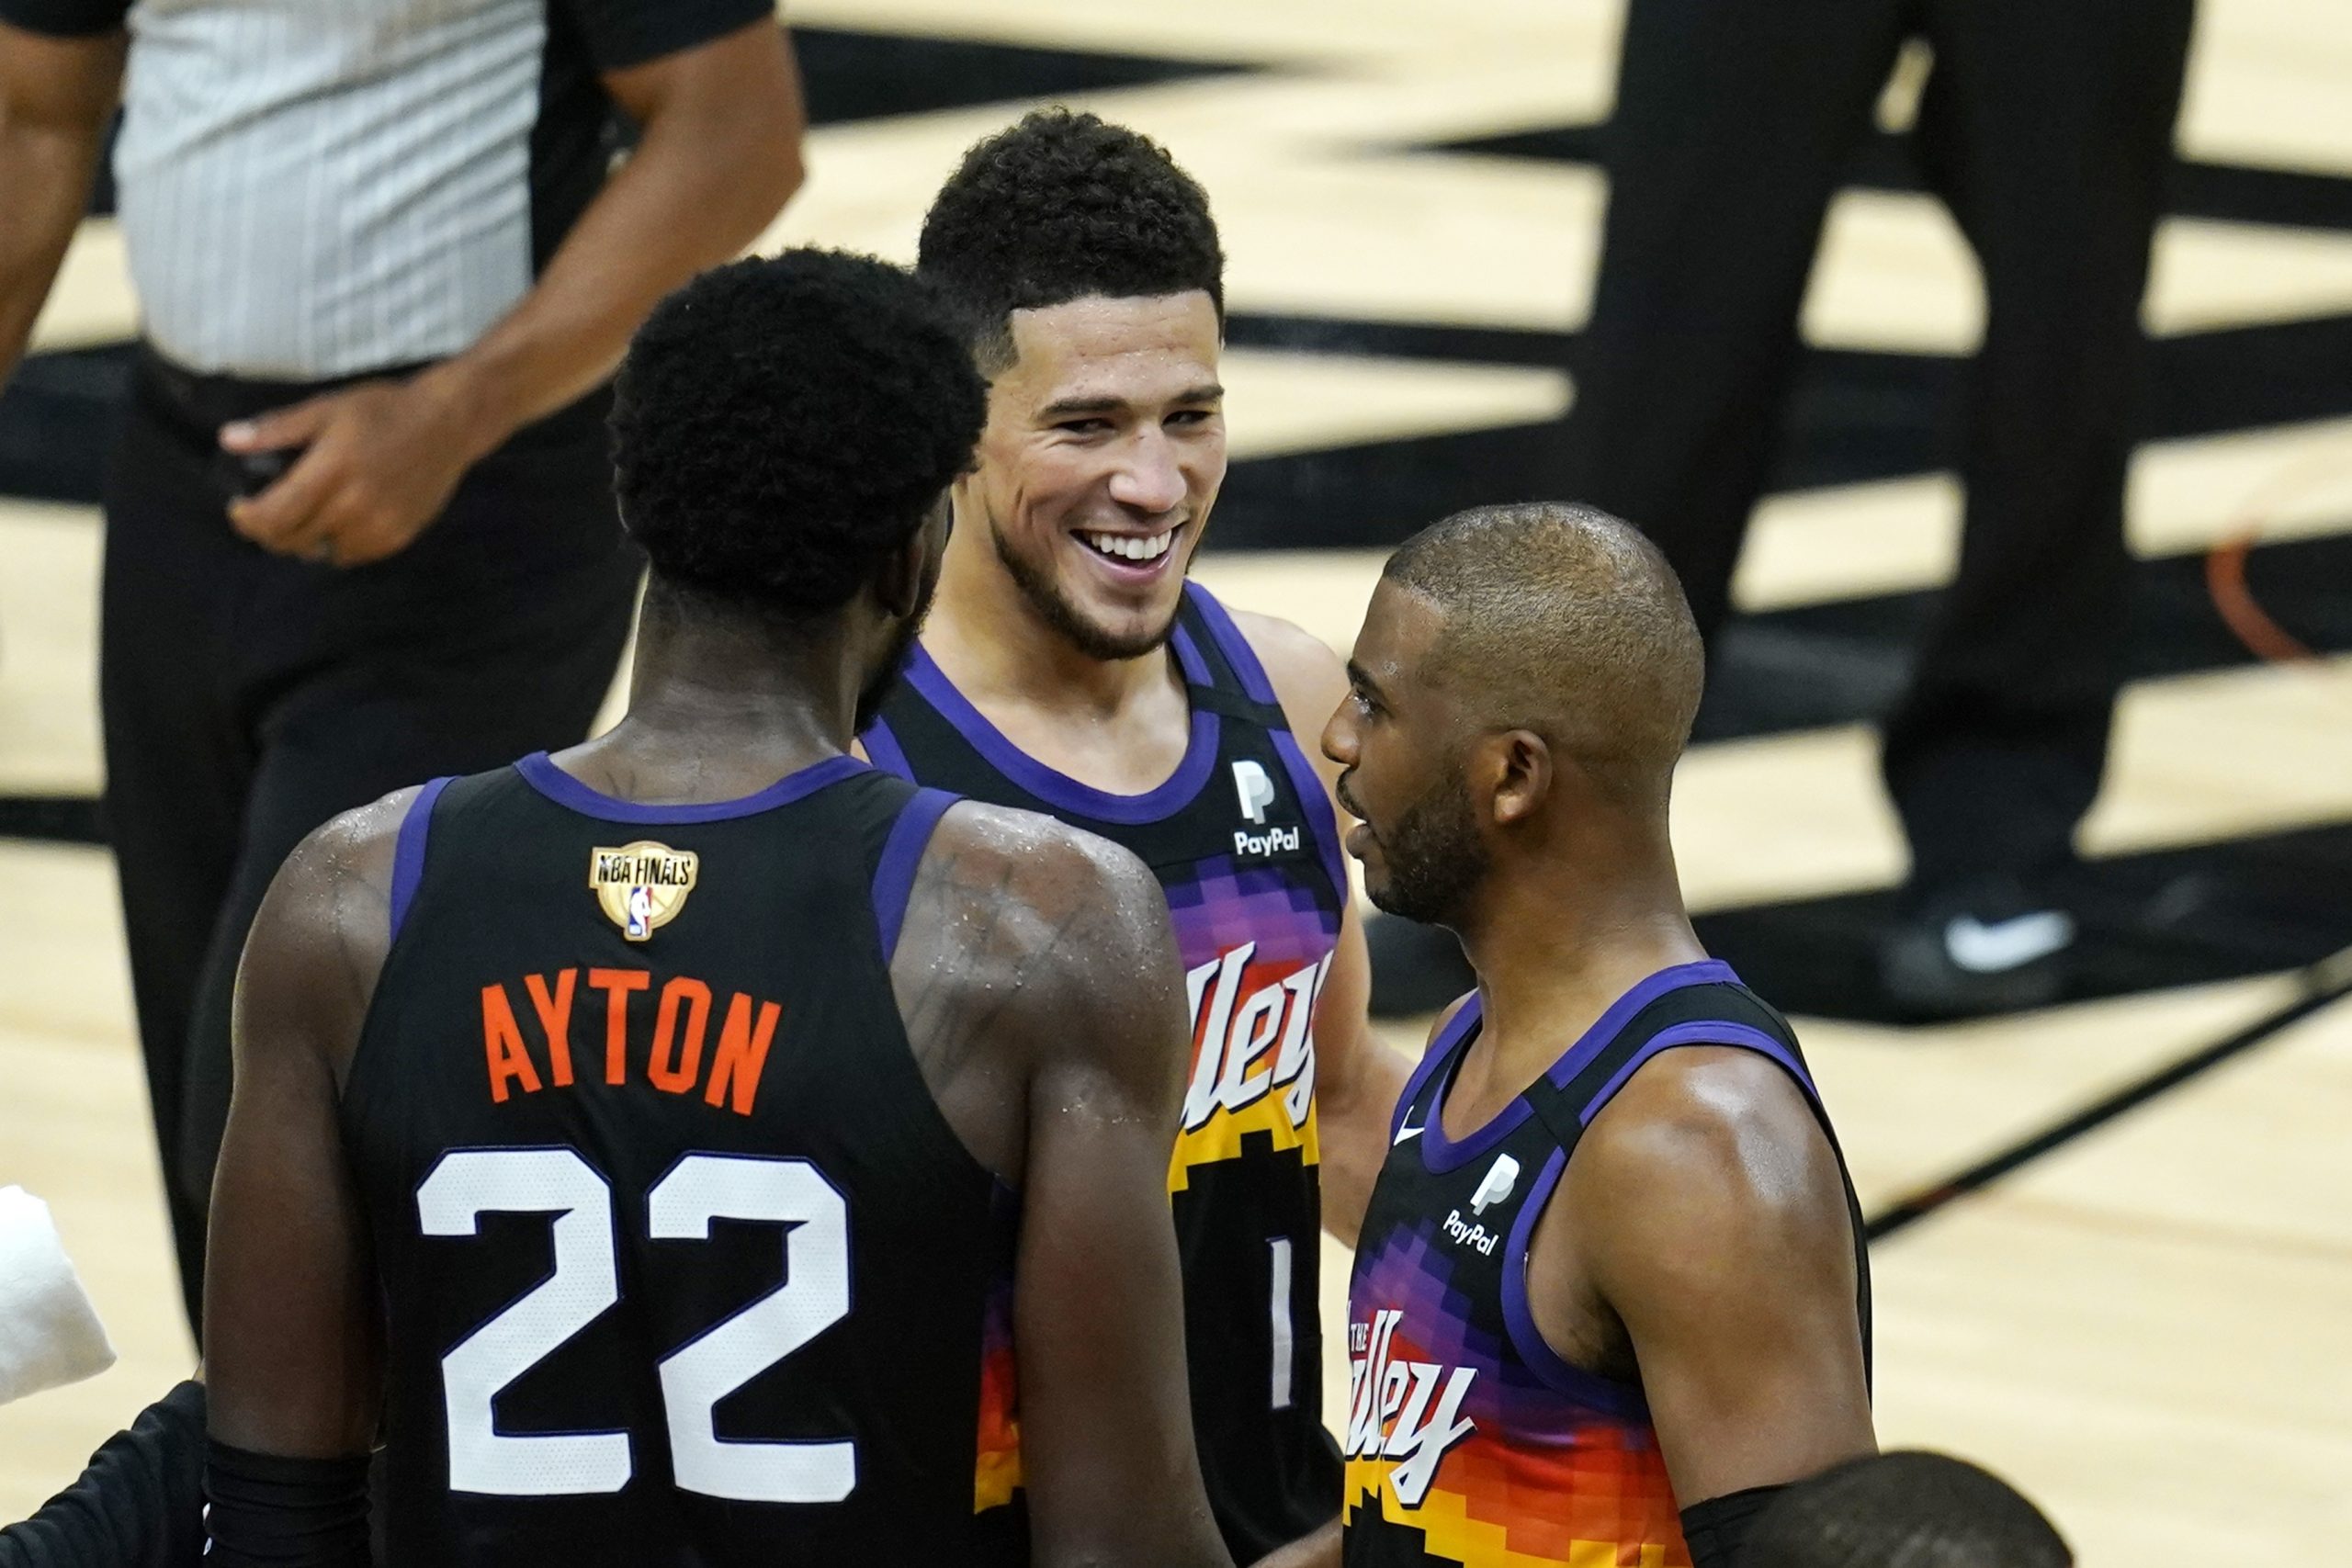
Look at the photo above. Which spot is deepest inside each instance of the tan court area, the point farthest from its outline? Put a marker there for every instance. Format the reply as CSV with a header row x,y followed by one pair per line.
x,y
2149,1330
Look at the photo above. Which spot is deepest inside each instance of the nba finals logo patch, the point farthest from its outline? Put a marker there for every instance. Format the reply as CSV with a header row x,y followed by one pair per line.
x,y
641,887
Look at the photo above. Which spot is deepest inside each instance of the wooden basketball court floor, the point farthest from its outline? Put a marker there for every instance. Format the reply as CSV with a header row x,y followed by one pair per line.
x,y
2148,1326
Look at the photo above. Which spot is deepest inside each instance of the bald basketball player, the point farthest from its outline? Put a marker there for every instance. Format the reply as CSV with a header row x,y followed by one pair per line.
x,y
671,1145
1612,1271
1070,669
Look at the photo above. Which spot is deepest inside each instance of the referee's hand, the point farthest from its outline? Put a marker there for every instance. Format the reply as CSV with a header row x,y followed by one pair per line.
x,y
379,462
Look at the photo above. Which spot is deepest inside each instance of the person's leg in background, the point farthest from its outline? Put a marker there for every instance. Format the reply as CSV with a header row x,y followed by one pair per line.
x,y
177,763
2049,126
1732,127
496,634
373,725
1734,123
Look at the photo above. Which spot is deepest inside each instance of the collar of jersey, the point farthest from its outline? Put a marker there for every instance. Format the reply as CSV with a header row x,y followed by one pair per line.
x,y
540,771
1056,788
1440,1153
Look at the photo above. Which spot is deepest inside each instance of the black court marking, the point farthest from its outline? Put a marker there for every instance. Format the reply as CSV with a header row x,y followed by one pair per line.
x,y
2324,984
1852,416
2234,193
57,420
869,75
51,818
2146,922
1849,660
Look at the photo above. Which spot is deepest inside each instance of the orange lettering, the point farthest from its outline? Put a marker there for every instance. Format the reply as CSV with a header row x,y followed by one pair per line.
x,y
503,1046
743,1052
555,1017
616,983
660,1071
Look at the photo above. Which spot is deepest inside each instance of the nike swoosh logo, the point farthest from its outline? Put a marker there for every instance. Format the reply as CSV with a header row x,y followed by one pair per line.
x,y
2012,943
1404,1133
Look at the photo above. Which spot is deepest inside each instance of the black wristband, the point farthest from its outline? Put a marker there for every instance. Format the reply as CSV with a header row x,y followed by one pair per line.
x,y
1714,1529
273,1512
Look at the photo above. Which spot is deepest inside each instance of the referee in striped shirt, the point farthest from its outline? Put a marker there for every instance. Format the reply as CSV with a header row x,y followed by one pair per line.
x,y
360,526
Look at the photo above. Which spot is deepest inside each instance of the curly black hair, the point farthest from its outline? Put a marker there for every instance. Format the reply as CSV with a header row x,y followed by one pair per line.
x,y
1058,207
781,424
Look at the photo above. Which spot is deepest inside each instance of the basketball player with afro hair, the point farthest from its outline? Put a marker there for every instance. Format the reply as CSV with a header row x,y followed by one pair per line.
x,y
697,1214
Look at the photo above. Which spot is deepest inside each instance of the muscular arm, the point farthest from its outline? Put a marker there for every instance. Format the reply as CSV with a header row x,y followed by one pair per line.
x,y
55,95
1106,1427
1053,1019
291,1343
718,156
1713,1225
1357,1079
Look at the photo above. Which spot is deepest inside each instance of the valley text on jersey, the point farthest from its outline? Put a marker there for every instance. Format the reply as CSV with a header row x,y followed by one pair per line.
x,y
1243,841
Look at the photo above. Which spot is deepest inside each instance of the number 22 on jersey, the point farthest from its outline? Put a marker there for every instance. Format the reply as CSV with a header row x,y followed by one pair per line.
x,y
468,1183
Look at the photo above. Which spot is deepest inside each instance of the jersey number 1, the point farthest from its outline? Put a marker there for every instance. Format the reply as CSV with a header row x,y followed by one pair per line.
x,y
699,1189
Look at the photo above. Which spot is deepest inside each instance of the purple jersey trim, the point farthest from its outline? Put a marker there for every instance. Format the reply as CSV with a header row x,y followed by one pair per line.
x,y
1432,1057
1058,789
1313,797
1189,659
408,850
894,877
540,770
1705,972
882,748
1519,1319
1440,1154
1237,648
1701,1031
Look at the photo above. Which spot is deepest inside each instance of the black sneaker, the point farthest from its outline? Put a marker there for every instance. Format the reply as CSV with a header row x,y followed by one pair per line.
x,y
1415,969
1984,947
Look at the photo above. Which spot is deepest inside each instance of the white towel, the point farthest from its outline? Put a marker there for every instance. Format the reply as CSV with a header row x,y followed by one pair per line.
x,y
49,1335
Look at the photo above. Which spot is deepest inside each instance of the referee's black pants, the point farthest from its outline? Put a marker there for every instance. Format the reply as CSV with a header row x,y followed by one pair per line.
x,y
2047,127
248,697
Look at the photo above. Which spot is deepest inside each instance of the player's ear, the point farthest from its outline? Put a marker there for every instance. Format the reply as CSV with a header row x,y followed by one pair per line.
x,y
1522,767
898,586
908,572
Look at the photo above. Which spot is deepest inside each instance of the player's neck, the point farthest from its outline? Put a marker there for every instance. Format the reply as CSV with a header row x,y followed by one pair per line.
x,y
1549,963
720,709
987,637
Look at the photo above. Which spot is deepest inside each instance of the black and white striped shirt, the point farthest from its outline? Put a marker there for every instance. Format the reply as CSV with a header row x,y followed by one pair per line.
x,y
313,188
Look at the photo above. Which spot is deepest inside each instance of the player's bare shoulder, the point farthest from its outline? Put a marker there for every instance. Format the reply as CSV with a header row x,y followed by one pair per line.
x,y
1711,1157
1028,939
1307,676
318,940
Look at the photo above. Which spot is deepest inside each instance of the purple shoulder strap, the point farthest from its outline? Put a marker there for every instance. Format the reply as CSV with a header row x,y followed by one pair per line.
x,y
894,877
408,850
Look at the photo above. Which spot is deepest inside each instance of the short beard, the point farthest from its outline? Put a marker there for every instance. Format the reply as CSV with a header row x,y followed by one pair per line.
x,y
1045,597
1434,857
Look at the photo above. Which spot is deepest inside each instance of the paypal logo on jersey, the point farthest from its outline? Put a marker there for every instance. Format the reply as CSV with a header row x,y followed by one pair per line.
x,y
1502,1178
1255,790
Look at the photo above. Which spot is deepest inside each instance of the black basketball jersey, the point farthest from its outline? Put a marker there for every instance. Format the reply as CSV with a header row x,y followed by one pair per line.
x,y
1241,837
680,1261
1469,1440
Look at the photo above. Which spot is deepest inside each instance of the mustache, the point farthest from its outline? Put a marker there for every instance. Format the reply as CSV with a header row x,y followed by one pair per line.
x,y
1347,800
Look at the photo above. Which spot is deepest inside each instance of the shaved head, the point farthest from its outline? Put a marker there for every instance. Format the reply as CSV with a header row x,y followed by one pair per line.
x,y
1563,621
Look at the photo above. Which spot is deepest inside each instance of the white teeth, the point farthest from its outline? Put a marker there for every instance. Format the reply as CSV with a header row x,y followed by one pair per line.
x,y
1128,546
